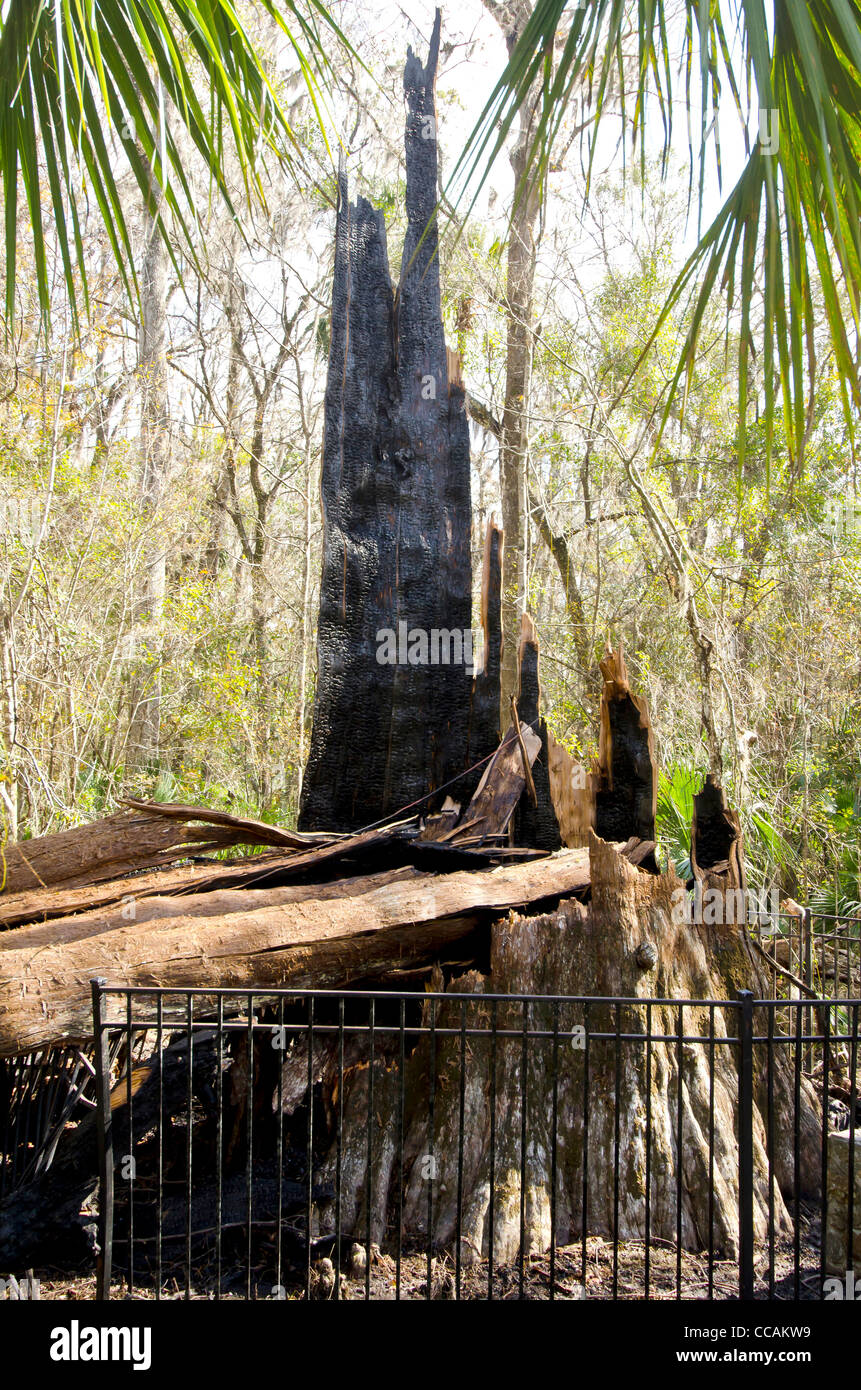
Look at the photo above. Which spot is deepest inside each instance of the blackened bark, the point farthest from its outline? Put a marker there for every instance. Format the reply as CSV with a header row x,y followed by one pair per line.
x,y
534,824
396,508
627,781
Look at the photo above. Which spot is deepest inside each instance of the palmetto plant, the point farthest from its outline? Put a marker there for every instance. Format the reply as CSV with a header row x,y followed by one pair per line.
x,y
78,77
790,227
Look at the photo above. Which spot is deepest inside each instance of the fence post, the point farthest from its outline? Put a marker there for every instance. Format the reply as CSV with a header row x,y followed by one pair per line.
x,y
745,1147
104,1137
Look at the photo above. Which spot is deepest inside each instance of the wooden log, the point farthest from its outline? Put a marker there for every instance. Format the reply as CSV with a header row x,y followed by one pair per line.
x,y
118,844
396,512
44,990
218,903
253,832
47,903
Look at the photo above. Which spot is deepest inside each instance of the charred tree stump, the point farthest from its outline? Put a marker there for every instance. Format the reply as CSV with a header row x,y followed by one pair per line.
x,y
626,783
393,687
535,823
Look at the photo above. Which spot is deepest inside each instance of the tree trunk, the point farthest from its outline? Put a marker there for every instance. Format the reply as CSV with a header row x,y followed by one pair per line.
x,y
627,942
143,745
520,279
391,725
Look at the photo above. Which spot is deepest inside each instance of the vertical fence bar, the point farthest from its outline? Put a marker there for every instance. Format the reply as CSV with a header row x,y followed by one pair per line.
x,y
491,1211
617,1122
431,1146
680,1067
369,1185
249,1148
309,1149
458,1235
711,1292
128,1159
852,1024
745,1147
279,1101
219,1140
524,1023
104,1138
554,1120
823,1184
648,1180
159,1014
402,1052
189,1117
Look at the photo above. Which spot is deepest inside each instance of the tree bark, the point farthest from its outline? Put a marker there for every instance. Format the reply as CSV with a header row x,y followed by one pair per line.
x,y
519,286
627,942
396,507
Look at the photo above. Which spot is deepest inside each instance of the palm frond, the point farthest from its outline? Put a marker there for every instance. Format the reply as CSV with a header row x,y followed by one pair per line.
x,y
790,229
80,78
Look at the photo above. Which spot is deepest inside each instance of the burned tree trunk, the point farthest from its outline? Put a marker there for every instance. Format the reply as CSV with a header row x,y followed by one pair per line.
x,y
626,789
536,822
393,686
645,1095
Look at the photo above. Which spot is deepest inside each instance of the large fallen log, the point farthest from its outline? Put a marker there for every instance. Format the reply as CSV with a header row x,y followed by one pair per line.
x,y
147,834
44,990
60,901
217,903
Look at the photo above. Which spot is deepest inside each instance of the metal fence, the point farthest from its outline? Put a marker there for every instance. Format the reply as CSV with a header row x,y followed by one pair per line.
x,y
402,1145
822,950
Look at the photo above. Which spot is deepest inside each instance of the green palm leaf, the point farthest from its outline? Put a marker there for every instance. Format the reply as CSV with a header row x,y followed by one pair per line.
x,y
80,77
791,224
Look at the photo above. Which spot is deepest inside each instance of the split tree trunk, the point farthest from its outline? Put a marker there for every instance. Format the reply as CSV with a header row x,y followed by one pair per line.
x,y
396,510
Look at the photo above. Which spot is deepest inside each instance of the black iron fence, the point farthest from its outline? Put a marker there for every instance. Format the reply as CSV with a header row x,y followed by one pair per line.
x,y
822,950
398,1145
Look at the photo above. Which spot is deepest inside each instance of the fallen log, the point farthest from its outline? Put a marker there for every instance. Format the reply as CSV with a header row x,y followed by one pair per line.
x,y
39,905
217,903
44,990
107,848
253,832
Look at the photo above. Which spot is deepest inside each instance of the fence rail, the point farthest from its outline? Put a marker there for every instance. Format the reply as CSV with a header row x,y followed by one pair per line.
x,y
402,1145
